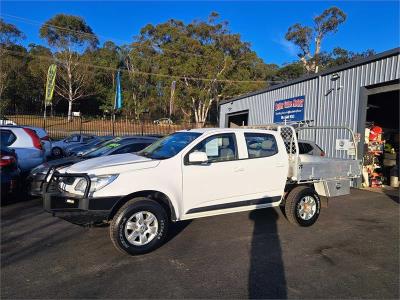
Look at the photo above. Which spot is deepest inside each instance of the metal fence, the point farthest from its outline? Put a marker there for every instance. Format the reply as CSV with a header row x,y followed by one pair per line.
x,y
59,127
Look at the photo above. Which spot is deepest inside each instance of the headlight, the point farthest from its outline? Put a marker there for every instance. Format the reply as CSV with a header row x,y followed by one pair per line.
x,y
96,183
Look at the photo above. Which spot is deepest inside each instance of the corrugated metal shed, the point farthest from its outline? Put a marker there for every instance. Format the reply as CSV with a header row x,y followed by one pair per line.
x,y
327,102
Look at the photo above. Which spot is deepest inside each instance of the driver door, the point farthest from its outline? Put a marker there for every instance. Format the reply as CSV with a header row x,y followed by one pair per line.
x,y
210,186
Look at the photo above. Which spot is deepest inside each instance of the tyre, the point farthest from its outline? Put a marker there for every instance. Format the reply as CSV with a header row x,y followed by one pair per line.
x,y
56,152
139,226
302,206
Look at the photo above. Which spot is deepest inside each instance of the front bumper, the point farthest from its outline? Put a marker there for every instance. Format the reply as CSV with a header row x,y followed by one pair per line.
x,y
81,210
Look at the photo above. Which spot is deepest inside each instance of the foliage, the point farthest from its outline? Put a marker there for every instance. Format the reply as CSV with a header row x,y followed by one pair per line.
x,y
173,69
201,49
68,35
68,32
304,36
340,56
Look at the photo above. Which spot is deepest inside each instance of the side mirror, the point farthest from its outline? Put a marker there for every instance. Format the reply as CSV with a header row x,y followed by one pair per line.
x,y
198,157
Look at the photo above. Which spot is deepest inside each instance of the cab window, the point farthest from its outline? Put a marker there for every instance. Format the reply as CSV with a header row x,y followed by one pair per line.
x,y
221,147
73,139
260,145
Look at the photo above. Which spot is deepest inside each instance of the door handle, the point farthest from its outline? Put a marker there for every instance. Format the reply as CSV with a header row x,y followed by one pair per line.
x,y
280,165
238,169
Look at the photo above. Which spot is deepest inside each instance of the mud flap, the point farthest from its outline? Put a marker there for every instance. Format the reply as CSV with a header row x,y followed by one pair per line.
x,y
324,201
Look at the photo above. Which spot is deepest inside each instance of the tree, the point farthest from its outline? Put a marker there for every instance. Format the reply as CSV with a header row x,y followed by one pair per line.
x,y
290,71
40,59
205,59
10,62
70,36
305,36
108,59
140,61
340,56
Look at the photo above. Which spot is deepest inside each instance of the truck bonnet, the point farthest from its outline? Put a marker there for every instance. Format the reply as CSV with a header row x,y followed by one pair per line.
x,y
119,161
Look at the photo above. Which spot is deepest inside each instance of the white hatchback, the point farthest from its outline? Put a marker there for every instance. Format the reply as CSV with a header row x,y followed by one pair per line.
x,y
44,137
27,146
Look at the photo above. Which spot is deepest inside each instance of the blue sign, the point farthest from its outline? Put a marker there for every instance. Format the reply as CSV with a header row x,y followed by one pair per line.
x,y
289,110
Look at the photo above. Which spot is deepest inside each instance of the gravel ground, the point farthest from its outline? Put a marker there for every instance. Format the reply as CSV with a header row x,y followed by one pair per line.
x,y
352,251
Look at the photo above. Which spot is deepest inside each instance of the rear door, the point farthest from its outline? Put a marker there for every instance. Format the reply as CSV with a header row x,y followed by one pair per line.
x,y
266,166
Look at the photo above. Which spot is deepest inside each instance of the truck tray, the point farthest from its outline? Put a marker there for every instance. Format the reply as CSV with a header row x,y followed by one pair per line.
x,y
321,168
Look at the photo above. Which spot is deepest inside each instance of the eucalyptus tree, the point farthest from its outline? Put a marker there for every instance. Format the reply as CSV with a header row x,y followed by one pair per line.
x,y
70,37
40,58
206,60
107,60
309,39
12,56
140,63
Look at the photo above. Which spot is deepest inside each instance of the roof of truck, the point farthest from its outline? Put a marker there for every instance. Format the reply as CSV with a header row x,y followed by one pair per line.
x,y
203,130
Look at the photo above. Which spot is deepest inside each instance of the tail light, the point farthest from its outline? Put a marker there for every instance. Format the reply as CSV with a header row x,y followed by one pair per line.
x,y
45,138
322,153
7,160
35,139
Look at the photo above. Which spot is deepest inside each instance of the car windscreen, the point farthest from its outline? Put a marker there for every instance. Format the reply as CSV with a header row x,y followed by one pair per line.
x,y
170,145
103,148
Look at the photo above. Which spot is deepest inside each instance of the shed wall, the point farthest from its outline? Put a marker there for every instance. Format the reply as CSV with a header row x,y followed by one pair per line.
x,y
340,106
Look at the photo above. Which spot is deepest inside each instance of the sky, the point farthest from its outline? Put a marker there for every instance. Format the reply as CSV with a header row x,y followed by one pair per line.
x,y
369,24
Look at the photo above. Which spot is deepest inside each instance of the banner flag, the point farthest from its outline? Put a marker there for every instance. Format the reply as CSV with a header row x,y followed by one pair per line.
x,y
118,93
51,80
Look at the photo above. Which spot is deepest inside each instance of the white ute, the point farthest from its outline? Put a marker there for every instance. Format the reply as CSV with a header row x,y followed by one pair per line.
x,y
192,174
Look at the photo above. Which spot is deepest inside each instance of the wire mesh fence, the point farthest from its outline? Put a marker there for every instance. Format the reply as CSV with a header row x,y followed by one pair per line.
x,y
59,127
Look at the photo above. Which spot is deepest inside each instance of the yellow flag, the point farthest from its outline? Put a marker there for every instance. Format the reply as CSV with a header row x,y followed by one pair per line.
x,y
51,80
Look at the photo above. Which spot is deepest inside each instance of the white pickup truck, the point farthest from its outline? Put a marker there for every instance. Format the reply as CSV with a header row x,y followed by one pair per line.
x,y
192,174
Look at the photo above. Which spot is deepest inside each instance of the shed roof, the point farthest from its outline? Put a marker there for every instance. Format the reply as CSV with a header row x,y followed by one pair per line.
x,y
382,55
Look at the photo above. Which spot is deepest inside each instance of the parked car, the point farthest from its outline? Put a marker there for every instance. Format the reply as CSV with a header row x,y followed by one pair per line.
x,y
5,121
163,121
82,148
192,174
27,146
9,171
44,137
311,148
115,146
58,147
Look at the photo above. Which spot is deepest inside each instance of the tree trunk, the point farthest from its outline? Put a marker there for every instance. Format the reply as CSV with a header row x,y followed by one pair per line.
x,y
69,111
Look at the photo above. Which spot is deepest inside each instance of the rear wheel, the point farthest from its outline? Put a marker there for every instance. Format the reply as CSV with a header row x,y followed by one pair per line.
x,y
302,206
139,226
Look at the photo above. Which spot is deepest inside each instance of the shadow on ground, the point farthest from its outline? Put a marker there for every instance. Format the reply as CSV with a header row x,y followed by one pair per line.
x,y
266,275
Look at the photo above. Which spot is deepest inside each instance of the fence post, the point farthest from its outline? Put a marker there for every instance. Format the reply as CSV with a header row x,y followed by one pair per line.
x,y
142,127
113,121
80,125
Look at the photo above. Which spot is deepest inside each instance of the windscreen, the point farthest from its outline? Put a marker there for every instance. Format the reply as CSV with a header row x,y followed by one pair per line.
x,y
103,148
170,145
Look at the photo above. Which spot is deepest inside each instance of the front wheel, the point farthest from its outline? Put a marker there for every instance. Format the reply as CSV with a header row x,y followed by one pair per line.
x,y
139,226
302,206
